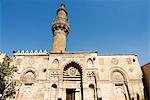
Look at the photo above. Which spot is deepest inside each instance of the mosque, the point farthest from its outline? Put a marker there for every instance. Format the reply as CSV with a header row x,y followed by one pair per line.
x,y
61,75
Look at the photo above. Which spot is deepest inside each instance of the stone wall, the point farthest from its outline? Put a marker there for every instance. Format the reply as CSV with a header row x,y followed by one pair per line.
x,y
91,76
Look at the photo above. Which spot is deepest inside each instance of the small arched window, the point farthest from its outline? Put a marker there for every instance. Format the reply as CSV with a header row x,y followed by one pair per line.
x,y
91,86
91,92
54,92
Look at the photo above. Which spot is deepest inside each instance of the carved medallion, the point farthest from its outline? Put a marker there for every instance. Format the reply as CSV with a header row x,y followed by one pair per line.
x,y
72,71
114,61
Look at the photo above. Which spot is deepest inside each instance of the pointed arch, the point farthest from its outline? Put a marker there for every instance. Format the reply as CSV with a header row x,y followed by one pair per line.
x,y
53,92
55,63
73,64
119,81
28,79
90,63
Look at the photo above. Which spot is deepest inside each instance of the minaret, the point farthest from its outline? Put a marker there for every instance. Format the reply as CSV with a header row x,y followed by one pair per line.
x,y
60,28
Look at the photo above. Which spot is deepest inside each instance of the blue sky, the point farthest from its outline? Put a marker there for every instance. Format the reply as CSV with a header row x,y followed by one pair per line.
x,y
106,26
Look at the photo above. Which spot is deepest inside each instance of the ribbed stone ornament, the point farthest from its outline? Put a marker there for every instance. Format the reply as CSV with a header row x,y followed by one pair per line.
x,y
72,71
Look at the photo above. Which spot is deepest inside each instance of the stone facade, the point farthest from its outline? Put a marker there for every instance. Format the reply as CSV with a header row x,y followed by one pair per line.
x,y
61,75
49,76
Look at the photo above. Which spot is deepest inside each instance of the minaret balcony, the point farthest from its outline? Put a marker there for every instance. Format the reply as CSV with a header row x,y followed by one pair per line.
x,y
60,25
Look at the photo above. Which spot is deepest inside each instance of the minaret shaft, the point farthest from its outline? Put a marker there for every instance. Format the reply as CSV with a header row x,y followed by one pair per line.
x,y
59,41
60,28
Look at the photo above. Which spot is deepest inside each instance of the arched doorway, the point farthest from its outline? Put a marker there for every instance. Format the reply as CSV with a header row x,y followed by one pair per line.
x,y
72,78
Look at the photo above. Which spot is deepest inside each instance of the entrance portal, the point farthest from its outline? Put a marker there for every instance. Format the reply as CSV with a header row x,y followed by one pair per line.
x,y
70,94
72,77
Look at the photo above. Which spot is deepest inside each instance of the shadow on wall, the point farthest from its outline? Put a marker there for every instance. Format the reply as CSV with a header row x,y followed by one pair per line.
x,y
146,80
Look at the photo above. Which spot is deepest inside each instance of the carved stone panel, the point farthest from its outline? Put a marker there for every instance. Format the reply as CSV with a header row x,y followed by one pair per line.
x,y
90,75
54,75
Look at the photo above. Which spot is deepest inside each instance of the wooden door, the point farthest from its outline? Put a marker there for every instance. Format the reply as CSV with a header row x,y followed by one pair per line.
x,y
70,94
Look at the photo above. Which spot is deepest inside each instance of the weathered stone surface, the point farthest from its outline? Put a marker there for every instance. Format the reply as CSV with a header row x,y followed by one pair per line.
x,y
81,75
50,78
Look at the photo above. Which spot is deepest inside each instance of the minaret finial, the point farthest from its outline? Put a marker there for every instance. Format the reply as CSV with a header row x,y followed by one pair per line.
x,y
62,2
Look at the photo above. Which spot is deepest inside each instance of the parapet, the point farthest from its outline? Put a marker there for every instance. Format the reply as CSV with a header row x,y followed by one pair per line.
x,y
30,52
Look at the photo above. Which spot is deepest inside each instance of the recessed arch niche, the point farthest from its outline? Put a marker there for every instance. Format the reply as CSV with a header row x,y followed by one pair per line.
x,y
28,76
120,86
72,74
